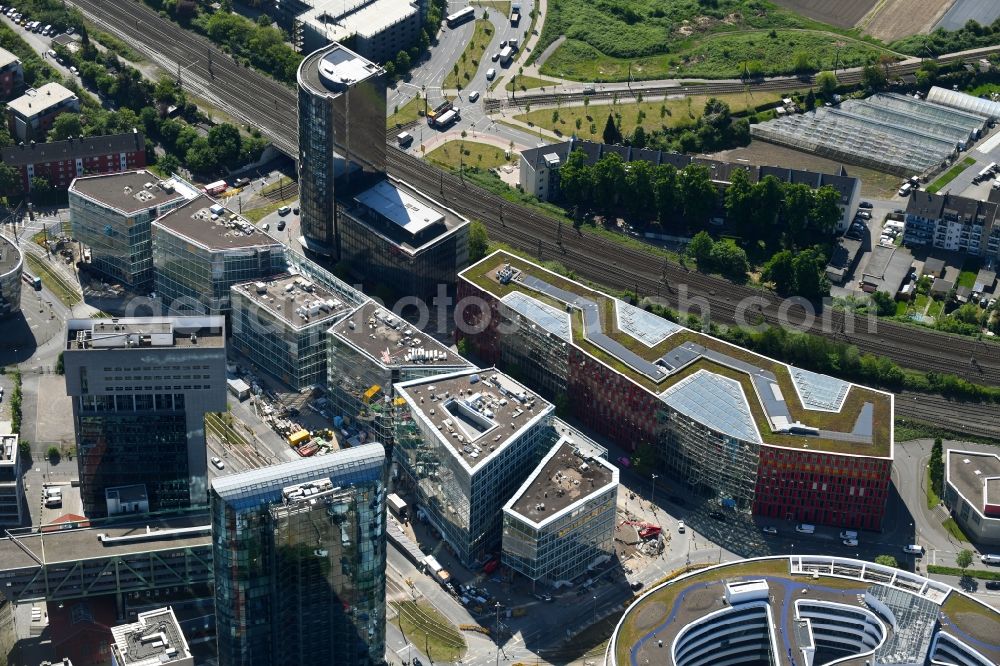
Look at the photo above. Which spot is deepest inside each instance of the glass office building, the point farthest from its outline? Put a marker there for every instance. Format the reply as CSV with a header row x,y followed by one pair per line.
x,y
11,267
111,214
561,522
140,388
299,558
369,351
465,443
341,137
202,249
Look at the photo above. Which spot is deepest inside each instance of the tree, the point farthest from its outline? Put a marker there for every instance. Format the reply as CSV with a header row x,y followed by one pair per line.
x,y
810,278
226,142
827,83
810,100
479,242
795,207
697,192
883,303
168,164
64,126
802,61
639,189
639,137
873,78
887,561
10,180
402,61
576,180
964,559
824,214
936,467
200,157
730,260
165,92
968,314
779,270
665,191
738,200
609,180
700,248
611,133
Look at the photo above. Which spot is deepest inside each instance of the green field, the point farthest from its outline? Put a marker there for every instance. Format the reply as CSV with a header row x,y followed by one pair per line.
x,y
970,269
667,114
427,629
54,282
950,175
468,63
671,38
484,156
406,114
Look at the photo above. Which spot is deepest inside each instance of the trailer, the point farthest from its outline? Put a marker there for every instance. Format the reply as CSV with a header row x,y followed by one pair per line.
x,y
218,187
397,505
434,568
515,14
446,118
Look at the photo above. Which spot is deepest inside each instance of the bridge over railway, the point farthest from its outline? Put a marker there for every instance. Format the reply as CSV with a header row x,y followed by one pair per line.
x,y
117,557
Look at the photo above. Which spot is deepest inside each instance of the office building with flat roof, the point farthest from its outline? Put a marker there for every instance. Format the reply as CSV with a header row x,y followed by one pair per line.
x,y
11,74
59,162
797,445
972,493
30,116
201,249
12,504
281,323
396,236
11,269
341,107
112,214
370,351
141,387
376,29
154,639
299,558
561,523
465,442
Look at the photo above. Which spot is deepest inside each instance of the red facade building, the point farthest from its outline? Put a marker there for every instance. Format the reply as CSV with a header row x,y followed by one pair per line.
x,y
59,162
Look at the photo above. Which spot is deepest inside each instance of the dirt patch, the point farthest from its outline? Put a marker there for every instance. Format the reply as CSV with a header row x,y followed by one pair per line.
x,y
873,183
841,13
895,19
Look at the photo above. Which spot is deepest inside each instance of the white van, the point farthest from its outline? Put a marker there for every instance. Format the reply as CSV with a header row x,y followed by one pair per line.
x,y
990,559
913,549
404,139
848,534
805,528
905,190
491,74
474,95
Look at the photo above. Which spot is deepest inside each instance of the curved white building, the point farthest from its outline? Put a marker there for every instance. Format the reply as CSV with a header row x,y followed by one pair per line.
x,y
11,265
805,610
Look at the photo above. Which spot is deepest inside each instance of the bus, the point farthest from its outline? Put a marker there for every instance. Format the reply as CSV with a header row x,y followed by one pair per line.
x,y
460,17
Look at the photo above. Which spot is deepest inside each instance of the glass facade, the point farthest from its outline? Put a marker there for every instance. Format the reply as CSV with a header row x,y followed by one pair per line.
x,y
194,278
121,441
465,504
383,262
341,137
120,244
11,265
299,559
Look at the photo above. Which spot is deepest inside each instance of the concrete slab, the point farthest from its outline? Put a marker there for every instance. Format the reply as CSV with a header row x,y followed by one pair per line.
x,y
54,415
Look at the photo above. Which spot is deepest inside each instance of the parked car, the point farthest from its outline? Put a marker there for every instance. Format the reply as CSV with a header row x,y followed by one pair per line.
x,y
770,530
284,210
717,515
850,542
680,526
913,549
474,95
636,586
865,204
295,210
624,461
281,225
993,585
491,74
864,214
217,461
495,57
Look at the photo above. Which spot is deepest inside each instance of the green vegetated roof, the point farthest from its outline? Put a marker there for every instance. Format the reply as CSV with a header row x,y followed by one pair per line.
x,y
483,275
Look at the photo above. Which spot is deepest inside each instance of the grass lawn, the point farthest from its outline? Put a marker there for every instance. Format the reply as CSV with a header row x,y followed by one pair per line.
x,y
718,56
276,185
901,308
407,113
936,308
587,122
426,628
54,282
967,278
259,213
468,63
932,499
530,82
957,605
950,175
920,302
500,6
953,528
480,155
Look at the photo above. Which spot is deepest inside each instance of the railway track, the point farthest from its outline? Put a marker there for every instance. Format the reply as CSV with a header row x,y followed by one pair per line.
x,y
270,105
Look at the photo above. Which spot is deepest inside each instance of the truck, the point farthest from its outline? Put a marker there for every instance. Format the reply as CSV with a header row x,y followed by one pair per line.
x,y
397,504
434,568
218,187
506,54
515,14
441,108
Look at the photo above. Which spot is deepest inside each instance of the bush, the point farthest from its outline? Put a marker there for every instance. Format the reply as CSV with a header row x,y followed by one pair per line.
x,y
887,561
53,454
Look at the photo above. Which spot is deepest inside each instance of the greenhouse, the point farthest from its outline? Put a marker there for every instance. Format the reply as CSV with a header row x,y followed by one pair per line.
x,y
965,102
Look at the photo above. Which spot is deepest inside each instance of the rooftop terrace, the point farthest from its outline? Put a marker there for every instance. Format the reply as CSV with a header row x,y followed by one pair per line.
x,y
565,477
154,639
214,231
333,70
975,475
392,341
295,300
131,191
139,333
788,407
477,412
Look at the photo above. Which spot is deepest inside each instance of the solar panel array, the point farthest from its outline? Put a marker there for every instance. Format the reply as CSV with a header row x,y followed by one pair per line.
x,y
819,391
551,319
646,327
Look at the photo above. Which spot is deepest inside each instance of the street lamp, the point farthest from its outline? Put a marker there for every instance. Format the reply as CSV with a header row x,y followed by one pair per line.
x,y
652,497
496,628
595,609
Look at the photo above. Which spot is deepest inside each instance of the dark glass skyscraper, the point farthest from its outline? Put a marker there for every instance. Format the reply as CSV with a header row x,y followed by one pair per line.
x,y
341,137
140,388
299,559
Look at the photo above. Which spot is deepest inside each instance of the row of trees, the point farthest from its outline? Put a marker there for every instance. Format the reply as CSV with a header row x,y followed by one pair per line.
x,y
715,129
646,192
723,257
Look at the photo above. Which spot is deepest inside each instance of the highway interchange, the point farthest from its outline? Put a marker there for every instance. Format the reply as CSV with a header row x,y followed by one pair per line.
x,y
254,98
